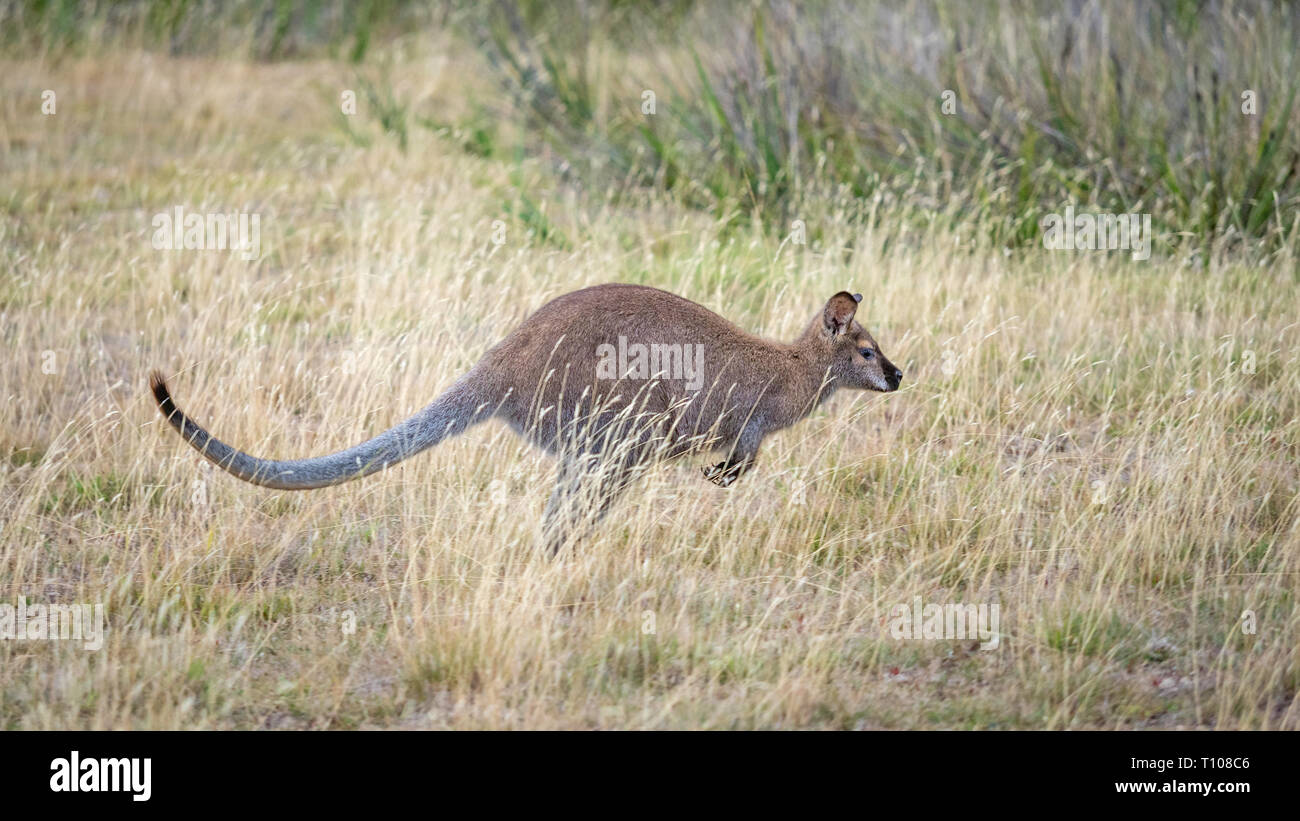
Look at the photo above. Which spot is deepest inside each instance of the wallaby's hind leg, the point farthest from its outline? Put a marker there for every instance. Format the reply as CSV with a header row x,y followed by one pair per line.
x,y
585,490
557,517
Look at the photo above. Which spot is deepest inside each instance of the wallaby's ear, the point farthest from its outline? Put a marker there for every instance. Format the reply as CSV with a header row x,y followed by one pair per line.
x,y
839,312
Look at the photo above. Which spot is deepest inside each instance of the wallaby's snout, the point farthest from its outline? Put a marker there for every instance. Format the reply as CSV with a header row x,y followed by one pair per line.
x,y
892,374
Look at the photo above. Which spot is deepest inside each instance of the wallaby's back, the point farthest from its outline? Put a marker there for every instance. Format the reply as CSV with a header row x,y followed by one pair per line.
x,y
553,360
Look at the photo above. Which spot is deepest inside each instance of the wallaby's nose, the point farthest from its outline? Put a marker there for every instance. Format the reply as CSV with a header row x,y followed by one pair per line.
x,y
895,378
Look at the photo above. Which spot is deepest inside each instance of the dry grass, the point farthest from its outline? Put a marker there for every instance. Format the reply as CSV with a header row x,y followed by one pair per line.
x,y
1120,602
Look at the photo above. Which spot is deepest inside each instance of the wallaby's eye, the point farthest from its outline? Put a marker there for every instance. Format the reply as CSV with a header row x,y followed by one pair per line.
x,y
867,353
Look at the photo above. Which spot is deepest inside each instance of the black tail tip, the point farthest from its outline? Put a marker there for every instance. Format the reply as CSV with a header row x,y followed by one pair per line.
x,y
160,393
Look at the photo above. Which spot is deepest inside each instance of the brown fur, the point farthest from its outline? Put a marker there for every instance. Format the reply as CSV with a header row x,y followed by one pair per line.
x,y
542,381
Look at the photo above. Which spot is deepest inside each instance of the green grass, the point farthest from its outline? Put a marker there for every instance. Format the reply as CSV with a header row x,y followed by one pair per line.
x,y
765,110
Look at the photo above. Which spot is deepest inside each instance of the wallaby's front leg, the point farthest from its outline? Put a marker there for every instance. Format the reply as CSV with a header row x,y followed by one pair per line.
x,y
738,463
724,474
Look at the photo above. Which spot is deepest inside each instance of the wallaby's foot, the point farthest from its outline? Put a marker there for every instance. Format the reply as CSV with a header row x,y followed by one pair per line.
x,y
720,474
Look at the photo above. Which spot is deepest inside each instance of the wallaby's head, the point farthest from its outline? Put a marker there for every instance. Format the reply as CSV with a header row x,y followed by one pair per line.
x,y
856,359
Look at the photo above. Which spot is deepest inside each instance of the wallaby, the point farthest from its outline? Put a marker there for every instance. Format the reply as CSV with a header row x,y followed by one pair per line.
x,y
607,379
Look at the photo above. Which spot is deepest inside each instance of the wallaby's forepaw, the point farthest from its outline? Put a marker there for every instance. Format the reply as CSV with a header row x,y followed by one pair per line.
x,y
719,475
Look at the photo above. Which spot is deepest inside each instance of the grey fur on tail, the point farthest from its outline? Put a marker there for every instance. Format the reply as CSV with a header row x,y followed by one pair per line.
x,y
448,415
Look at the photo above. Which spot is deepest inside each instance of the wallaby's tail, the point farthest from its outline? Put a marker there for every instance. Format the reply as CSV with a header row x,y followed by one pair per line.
x,y
448,415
